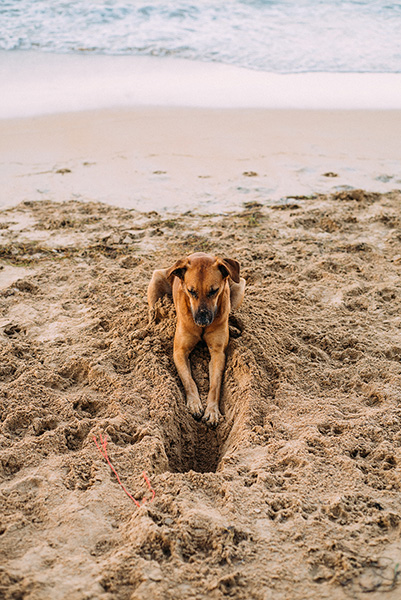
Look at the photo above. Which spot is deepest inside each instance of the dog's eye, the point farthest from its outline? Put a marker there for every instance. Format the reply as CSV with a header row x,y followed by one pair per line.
x,y
212,293
193,293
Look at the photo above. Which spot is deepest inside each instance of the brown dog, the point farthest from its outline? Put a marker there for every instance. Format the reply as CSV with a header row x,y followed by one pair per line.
x,y
204,289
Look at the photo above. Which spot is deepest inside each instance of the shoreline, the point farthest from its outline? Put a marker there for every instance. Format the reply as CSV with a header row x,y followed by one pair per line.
x,y
35,83
213,160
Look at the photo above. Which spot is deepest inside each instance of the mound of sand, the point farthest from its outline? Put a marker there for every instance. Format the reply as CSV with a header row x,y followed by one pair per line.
x,y
297,492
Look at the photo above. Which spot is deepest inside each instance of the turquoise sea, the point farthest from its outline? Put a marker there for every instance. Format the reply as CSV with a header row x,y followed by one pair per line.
x,y
280,36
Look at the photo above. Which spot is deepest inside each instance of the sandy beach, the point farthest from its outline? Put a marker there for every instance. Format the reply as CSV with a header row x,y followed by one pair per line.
x,y
296,494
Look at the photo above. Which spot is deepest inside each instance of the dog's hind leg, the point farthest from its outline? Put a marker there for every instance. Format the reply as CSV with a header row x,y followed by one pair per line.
x,y
237,293
159,286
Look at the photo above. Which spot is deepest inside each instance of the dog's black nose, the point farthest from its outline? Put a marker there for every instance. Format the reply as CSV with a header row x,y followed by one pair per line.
x,y
203,317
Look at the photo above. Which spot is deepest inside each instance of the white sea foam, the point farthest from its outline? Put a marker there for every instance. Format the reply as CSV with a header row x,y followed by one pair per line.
x,y
281,36
36,83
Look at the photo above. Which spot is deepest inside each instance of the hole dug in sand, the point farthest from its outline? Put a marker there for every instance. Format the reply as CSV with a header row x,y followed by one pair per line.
x,y
191,445
196,449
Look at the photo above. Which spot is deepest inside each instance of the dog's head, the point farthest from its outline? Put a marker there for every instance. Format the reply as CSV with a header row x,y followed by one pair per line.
x,y
203,279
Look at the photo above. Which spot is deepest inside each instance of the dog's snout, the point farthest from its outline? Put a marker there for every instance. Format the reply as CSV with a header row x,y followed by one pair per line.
x,y
203,317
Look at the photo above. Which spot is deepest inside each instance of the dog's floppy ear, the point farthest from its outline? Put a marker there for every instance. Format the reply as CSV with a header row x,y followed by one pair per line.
x,y
229,267
178,269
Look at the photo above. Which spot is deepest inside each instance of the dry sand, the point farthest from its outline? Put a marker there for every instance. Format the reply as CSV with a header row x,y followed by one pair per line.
x,y
295,495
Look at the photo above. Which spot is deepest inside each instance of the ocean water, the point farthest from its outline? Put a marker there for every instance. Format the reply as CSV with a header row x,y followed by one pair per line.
x,y
58,55
277,36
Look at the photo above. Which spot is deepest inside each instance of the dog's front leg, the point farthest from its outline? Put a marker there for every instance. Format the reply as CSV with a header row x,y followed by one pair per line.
x,y
183,345
216,367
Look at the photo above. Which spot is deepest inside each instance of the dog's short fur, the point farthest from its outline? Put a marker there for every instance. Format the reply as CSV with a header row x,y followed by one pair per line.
x,y
204,289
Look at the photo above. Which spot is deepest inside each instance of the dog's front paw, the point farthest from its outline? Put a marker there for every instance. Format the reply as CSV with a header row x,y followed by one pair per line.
x,y
212,416
195,407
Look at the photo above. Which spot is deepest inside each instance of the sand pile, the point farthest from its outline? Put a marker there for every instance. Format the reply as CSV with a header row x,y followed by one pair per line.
x,y
297,492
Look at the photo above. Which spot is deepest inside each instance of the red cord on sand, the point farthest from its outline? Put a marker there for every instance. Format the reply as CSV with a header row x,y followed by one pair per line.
x,y
103,451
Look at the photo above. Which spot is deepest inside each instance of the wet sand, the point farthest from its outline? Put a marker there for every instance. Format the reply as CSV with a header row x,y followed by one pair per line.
x,y
179,159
